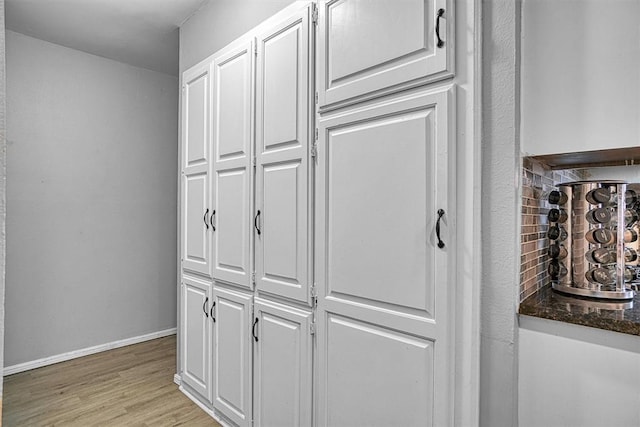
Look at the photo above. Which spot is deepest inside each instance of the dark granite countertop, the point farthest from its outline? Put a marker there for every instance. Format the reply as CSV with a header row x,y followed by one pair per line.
x,y
623,316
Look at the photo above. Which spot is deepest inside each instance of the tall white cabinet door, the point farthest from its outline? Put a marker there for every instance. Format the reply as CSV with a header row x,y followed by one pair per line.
x,y
375,46
232,168
196,173
232,357
282,367
385,304
282,145
195,333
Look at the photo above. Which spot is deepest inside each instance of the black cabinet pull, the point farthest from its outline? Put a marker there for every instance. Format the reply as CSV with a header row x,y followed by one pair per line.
x,y
204,306
211,219
253,331
205,218
440,242
211,312
255,222
440,41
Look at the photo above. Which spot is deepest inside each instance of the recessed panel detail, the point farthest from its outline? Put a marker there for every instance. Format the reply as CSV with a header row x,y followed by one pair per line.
x,y
196,126
378,369
281,76
232,117
381,191
366,34
195,233
281,221
231,220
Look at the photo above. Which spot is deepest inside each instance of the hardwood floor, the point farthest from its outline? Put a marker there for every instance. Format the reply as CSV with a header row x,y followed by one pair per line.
x,y
128,386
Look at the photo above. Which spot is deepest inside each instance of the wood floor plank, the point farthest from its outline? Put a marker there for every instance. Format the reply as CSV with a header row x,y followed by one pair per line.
x,y
127,386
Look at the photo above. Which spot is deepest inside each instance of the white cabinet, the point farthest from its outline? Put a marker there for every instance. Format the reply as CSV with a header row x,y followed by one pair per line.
x,y
283,132
196,174
232,358
283,365
385,291
232,168
380,170
195,335
372,47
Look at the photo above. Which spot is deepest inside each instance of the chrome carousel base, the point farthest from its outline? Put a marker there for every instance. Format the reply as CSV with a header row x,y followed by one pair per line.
x,y
590,293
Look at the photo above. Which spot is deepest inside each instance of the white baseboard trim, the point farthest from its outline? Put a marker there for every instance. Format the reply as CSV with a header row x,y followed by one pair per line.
x,y
202,406
177,379
197,401
26,366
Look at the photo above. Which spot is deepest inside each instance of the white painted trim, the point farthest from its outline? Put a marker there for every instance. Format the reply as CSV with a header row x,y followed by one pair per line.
x,y
202,406
177,379
26,366
197,402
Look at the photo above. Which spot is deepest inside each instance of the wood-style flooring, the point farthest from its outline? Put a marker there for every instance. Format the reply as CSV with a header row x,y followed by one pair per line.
x,y
128,386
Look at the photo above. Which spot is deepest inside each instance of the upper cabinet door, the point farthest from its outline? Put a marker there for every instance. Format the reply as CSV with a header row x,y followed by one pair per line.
x,y
196,170
282,151
368,48
232,170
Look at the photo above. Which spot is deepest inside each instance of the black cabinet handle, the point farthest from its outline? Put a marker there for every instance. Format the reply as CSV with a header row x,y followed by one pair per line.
x,y
440,242
204,306
440,41
253,331
255,222
211,219
211,312
205,218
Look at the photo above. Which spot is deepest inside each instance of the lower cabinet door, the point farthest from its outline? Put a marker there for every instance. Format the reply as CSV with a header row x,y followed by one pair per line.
x,y
232,355
283,365
195,335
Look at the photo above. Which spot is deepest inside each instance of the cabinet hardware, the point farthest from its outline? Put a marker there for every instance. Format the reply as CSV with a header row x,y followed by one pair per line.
x,y
204,306
440,242
253,331
205,218
255,222
314,15
213,317
211,220
312,328
440,41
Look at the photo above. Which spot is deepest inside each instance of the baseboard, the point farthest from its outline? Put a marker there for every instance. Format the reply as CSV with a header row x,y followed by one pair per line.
x,y
195,400
26,366
177,379
202,406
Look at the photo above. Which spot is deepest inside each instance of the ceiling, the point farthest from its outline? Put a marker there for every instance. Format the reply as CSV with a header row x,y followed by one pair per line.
x,y
143,33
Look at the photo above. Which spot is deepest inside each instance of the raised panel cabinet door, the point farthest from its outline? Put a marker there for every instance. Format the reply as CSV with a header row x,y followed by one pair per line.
x,y
283,112
232,164
232,356
196,230
385,293
282,365
372,47
195,335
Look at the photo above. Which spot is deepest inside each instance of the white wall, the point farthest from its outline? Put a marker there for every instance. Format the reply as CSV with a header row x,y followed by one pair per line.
x,y
91,190
500,223
574,376
220,22
3,175
580,79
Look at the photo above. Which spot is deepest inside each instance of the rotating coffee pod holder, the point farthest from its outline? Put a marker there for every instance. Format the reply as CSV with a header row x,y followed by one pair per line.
x,y
593,239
